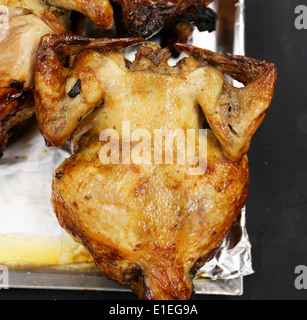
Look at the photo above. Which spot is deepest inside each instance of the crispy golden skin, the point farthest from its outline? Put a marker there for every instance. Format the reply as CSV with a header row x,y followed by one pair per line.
x,y
99,11
28,21
150,226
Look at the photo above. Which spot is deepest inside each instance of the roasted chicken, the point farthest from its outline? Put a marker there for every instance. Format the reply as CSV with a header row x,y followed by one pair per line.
x,y
31,19
26,22
148,225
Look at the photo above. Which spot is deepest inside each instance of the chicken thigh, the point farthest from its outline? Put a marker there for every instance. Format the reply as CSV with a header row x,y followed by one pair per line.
x,y
148,224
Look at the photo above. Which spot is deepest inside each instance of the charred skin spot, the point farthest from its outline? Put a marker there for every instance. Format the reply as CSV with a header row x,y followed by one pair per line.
x,y
76,90
204,20
16,95
59,175
16,84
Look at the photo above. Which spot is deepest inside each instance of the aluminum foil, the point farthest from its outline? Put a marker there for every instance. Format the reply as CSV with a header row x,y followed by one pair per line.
x,y
233,260
30,158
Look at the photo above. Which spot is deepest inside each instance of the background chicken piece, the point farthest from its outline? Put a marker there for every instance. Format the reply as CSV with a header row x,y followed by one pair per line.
x,y
27,22
17,58
99,11
141,18
147,225
174,20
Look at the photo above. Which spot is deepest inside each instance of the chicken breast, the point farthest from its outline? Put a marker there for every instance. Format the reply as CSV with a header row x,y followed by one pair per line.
x,y
149,222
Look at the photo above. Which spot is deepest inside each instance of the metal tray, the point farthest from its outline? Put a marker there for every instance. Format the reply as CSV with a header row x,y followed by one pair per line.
x,y
228,38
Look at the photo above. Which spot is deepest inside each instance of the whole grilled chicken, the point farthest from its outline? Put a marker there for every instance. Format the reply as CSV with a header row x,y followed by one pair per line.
x,y
24,22
148,224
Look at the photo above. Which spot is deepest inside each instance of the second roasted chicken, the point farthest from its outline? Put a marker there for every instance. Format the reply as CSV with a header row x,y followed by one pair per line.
x,y
148,225
24,22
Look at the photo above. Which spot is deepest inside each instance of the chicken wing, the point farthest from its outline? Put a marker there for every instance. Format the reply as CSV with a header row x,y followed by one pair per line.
x,y
27,22
147,225
99,11
240,111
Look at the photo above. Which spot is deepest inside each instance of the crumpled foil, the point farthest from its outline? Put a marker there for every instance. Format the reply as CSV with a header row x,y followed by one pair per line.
x,y
234,257
223,274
